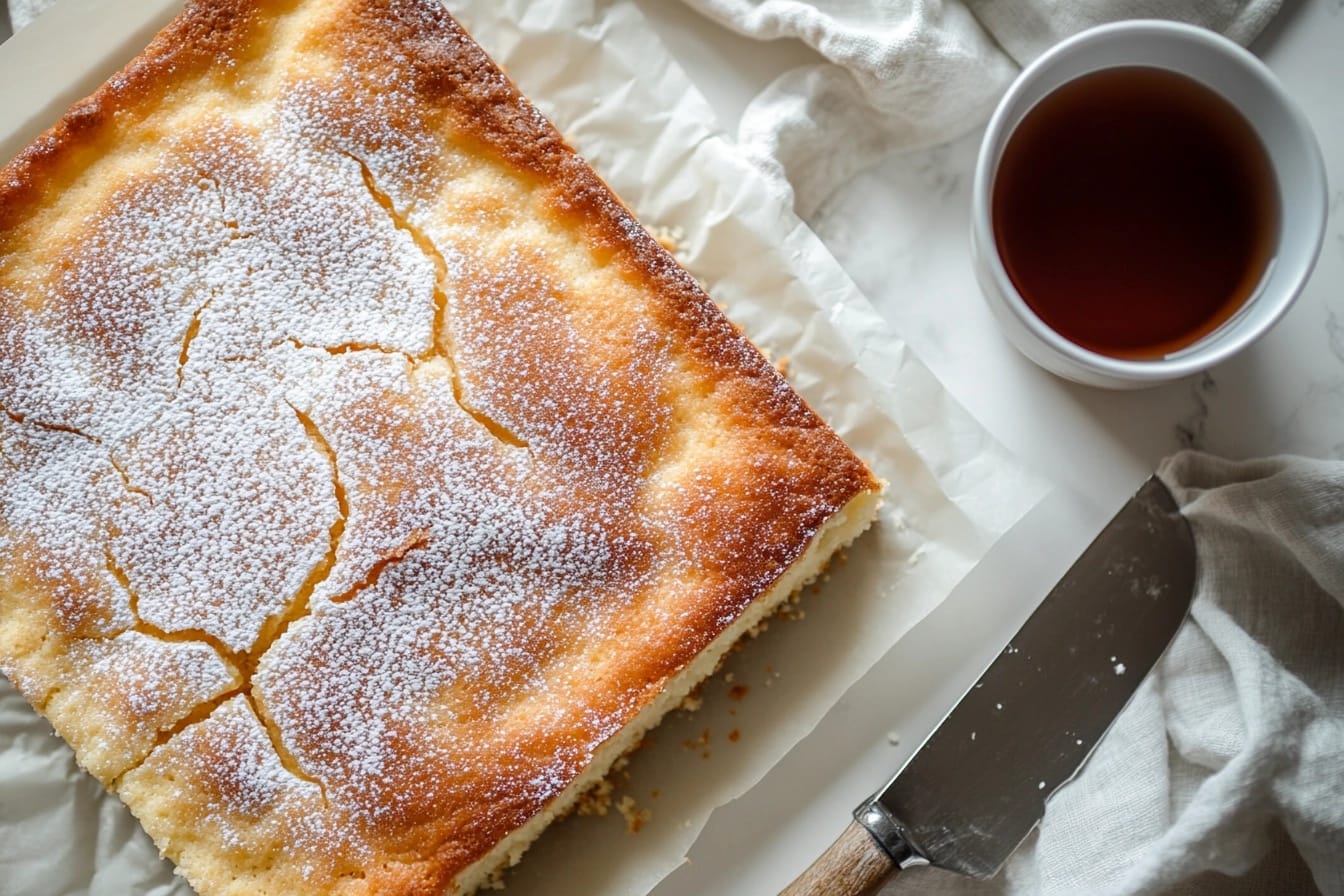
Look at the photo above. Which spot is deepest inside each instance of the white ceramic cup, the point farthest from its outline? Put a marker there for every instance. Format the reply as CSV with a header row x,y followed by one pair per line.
x,y
1293,153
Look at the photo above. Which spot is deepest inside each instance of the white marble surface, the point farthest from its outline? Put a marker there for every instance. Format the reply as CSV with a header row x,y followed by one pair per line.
x,y
902,232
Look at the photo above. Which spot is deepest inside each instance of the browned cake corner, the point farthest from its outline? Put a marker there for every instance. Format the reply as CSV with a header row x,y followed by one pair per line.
x,y
370,480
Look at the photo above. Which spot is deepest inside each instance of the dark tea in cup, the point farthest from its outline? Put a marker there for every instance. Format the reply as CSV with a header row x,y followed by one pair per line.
x,y
1148,202
1135,210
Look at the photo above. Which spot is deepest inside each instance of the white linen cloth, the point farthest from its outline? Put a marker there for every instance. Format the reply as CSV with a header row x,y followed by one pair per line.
x,y
900,75
21,12
1232,751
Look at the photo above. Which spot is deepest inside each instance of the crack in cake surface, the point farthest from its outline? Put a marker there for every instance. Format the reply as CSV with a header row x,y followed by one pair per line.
x,y
199,714
442,346
300,605
240,664
276,737
231,658
126,479
193,328
26,420
346,348
417,539
120,468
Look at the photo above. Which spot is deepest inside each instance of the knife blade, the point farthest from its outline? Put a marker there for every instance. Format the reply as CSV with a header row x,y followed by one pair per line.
x,y
974,790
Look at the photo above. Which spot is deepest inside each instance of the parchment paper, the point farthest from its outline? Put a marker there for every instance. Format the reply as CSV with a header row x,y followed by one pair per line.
x,y
604,77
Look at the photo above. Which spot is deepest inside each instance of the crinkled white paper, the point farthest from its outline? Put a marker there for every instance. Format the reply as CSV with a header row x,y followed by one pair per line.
x,y
605,78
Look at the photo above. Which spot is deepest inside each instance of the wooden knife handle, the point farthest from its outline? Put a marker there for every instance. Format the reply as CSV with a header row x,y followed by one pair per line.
x,y
854,865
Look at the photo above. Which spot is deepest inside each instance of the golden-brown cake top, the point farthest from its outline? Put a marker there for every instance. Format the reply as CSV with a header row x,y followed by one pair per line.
x,y
337,389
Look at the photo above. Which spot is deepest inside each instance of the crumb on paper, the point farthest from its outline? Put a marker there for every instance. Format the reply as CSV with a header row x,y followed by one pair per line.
x,y
771,675
669,237
734,736
698,743
597,800
738,691
635,817
895,739
691,702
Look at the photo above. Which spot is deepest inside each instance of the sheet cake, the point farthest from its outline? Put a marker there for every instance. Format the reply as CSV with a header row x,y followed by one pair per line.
x,y
370,480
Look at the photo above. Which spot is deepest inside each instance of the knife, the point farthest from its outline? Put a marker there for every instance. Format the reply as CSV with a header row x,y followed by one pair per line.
x,y
975,789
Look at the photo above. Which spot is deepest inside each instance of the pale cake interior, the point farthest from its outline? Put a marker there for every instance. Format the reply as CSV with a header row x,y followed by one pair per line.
x,y
369,479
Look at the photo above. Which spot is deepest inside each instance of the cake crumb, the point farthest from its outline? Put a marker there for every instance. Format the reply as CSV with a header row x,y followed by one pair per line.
x,y
635,817
670,238
734,736
698,743
738,691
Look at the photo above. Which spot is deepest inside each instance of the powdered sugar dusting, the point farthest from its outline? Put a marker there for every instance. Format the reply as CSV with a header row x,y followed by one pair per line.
x,y
241,512
51,527
490,559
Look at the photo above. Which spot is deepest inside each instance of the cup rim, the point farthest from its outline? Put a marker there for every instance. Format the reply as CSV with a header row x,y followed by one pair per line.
x,y
1186,361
